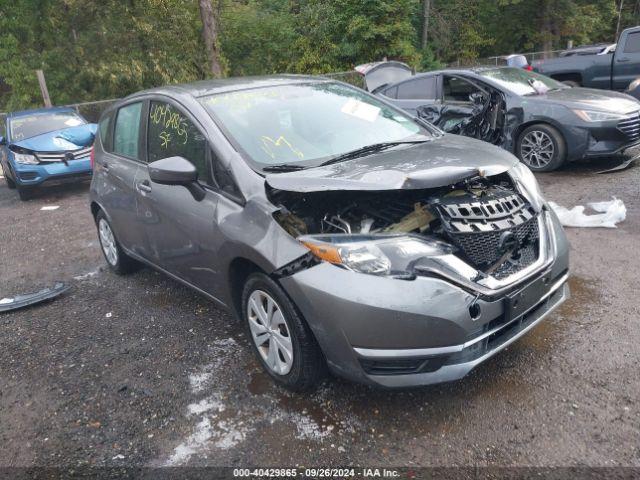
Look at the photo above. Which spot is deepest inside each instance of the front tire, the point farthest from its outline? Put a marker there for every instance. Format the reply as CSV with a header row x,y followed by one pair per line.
x,y
541,147
281,339
116,258
25,193
10,183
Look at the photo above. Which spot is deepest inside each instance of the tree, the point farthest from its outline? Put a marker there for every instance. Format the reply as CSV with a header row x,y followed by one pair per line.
x,y
210,36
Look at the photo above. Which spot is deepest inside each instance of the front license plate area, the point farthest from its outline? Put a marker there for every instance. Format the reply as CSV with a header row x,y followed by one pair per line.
x,y
519,302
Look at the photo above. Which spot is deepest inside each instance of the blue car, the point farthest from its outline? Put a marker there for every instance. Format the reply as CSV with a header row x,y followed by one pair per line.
x,y
45,147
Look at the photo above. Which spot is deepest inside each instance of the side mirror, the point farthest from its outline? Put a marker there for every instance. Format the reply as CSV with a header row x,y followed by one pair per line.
x,y
176,171
3,141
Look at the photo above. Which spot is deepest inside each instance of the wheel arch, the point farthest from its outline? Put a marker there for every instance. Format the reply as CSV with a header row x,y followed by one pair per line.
x,y
240,268
523,126
569,76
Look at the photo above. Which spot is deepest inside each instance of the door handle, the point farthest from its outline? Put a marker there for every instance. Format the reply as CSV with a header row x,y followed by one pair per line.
x,y
623,59
144,187
105,167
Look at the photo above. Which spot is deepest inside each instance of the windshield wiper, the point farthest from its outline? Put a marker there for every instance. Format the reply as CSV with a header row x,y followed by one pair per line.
x,y
283,167
366,150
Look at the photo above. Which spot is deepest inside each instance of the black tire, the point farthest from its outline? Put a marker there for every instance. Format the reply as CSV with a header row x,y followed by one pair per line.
x,y
7,178
121,263
541,130
308,365
25,193
571,83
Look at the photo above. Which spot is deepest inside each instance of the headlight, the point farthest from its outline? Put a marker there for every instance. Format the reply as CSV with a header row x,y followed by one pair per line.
x,y
374,254
528,185
25,159
595,116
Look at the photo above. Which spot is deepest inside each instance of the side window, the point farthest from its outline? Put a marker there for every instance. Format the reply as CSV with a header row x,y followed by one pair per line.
x,y
457,90
418,89
103,128
171,134
391,92
632,44
127,131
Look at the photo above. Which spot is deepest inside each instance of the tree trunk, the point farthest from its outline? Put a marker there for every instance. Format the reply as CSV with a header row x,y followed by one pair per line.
x,y
210,36
618,24
547,30
426,12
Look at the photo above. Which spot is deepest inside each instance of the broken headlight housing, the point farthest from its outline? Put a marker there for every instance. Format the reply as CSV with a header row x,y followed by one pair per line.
x,y
528,185
25,159
374,254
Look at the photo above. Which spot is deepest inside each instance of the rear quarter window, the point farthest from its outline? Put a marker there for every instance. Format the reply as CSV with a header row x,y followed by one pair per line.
x,y
126,137
104,129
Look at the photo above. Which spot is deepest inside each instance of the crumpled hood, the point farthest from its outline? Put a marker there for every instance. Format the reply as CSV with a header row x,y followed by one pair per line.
x,y
60,140
592,99
437,163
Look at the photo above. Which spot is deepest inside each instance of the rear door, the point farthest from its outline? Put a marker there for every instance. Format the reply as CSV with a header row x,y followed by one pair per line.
x,y
116,166
178,229
414,93
626,61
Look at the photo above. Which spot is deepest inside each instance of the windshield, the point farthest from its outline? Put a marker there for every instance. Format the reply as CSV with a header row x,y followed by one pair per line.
x,y
518,80
31,125
309,123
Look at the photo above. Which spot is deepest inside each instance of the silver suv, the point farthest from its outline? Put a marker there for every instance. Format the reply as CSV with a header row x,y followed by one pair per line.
x,y
342,232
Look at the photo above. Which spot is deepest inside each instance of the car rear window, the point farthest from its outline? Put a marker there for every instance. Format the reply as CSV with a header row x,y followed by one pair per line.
x,y
633,43
126,138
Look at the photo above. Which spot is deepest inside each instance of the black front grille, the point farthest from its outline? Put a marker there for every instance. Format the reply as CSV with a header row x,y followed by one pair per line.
x,y
482,249
494,225
630,126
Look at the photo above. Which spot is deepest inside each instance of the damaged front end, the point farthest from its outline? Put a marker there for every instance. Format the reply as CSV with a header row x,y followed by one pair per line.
x,y
411,287
481,227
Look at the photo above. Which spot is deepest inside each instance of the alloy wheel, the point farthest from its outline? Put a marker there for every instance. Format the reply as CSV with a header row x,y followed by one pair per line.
x,y
108,242
270,332
537,149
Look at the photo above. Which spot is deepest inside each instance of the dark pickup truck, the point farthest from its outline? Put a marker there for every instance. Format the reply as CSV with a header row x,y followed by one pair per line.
x,y
612,69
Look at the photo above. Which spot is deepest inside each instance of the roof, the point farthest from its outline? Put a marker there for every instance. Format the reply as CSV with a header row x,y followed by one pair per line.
x,y
39,111
211,87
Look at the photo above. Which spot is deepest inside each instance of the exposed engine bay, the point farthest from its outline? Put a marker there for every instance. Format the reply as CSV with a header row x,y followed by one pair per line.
x,y
486,220
483,118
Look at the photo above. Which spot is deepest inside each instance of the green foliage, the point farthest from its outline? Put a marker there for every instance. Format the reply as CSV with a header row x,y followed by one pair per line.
x,y
97,49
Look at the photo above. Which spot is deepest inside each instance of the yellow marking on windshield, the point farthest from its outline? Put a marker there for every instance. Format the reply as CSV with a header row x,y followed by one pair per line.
x,y
268,142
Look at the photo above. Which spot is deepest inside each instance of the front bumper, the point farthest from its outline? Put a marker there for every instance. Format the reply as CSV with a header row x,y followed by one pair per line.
x,y
598,139
401,333
52,173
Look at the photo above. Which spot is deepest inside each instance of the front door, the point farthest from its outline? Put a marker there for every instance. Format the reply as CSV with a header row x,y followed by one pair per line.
x,y
626,61
178,228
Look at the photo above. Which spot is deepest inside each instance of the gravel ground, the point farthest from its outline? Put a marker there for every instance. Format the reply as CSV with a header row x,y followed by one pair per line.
x,y
139,370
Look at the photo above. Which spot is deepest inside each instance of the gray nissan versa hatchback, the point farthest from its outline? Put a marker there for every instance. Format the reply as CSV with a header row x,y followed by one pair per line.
x,y
341,231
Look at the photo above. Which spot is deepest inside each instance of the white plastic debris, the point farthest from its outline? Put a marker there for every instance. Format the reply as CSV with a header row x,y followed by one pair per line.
x,y
611,212
50,207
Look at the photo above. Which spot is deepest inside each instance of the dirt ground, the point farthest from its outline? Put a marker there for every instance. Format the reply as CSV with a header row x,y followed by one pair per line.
x,y
139,370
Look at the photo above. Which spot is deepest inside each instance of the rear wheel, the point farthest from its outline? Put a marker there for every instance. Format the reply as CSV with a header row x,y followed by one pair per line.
x,y
541,148
281,339
116,258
